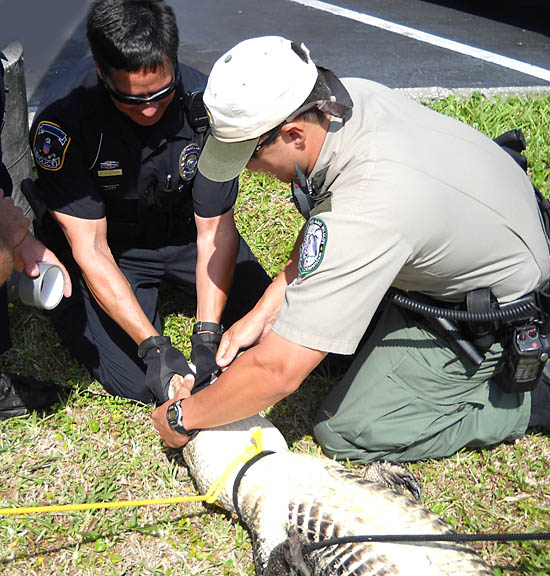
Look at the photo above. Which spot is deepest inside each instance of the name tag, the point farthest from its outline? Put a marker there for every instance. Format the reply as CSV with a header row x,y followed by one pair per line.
x,y
115,172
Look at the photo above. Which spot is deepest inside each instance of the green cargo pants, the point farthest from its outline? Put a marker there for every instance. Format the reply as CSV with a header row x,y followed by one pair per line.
x,y
407,397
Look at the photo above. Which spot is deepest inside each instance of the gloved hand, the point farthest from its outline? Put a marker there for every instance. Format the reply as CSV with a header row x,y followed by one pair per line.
x,y
204,342
163,361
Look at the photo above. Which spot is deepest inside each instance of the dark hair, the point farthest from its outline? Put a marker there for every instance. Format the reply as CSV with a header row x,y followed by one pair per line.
x,y
132,34
320,91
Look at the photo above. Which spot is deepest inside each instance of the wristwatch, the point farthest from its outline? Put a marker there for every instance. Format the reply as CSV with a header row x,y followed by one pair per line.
x,y
174,417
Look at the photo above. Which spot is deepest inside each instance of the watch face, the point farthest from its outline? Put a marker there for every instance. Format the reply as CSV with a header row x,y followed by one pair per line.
x,y
172,414
174,417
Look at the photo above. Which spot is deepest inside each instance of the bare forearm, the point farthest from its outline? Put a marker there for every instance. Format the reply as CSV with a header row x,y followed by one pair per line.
x,y
217,246
111,290
115,296
239,394
257,379
241,391
270,303
6,263
256,325
215,268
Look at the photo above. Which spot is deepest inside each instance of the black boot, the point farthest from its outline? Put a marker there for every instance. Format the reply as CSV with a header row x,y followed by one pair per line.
x,y
21,395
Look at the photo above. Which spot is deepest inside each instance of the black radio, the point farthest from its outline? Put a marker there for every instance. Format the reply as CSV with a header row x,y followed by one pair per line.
x,y
526,351
195,110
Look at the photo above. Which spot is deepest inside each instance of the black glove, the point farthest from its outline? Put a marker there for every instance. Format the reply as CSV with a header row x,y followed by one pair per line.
x,y
162,361
205,341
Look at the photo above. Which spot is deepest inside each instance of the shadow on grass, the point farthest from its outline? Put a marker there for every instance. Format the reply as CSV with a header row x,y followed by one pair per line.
x,y
294,415
150,530
171,300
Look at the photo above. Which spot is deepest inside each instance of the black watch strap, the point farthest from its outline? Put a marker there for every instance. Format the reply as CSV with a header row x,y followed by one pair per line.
x,y
207,327
152,342
174,418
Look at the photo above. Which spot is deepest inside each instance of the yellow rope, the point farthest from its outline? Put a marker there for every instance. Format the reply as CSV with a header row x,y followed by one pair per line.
x,y
210,497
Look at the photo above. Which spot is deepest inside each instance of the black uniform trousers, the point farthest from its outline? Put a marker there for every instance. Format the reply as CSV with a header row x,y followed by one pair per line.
x,y
108,353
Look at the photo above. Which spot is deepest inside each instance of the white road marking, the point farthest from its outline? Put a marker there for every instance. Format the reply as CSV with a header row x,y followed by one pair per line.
x,y
478,53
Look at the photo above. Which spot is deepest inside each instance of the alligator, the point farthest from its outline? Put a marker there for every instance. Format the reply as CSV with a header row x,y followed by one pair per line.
x,y
289,501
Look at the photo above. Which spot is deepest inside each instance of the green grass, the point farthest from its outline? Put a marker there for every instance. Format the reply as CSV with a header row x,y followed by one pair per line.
x,y
97,448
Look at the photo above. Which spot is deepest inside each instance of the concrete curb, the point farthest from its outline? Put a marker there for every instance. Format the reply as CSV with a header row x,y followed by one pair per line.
x,y
436,92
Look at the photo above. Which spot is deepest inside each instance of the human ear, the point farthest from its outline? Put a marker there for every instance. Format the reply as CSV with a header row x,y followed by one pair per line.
x,y
294,132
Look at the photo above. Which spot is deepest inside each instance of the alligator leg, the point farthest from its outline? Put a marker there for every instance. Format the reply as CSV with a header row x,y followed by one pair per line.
x,y
287,559
394,476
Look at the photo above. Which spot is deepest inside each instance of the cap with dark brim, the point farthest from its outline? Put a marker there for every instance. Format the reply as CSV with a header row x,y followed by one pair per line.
x,y
222,161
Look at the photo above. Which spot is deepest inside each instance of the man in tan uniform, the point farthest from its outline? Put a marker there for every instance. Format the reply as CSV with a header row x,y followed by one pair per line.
x,y
396,195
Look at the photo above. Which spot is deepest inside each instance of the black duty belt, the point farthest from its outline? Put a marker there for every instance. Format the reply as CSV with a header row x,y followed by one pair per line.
x,y
521,326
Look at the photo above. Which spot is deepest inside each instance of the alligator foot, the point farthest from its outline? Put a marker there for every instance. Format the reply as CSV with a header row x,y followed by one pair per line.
x,y
287,559
394,476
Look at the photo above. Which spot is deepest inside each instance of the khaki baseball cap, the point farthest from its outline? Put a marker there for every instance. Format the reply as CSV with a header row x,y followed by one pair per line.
x,y
252,88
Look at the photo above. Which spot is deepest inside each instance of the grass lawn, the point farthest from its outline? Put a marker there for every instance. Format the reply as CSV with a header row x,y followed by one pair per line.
x,y
95,448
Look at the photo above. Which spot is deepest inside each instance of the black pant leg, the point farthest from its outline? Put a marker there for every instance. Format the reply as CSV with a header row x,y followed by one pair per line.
x,y
250,280
249,283
108,353
91,336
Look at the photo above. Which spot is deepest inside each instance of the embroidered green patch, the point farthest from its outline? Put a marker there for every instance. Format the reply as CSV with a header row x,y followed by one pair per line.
x,y
313,246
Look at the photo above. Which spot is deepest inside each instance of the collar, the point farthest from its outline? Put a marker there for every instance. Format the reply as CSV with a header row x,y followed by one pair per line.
x,y
327,167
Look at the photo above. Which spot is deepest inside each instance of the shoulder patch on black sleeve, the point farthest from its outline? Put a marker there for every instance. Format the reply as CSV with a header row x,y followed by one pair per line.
x,y
50,146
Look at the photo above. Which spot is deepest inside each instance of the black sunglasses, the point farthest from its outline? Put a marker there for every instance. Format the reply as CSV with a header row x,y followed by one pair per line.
x,y
328,106
137,100
271,137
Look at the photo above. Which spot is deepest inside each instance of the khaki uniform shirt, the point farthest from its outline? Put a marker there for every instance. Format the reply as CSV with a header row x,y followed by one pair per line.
x,y
420,201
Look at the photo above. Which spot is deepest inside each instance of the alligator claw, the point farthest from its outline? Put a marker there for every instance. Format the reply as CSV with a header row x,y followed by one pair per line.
x,y
287,559
394,476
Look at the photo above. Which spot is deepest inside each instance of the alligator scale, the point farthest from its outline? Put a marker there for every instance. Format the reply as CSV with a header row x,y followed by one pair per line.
x,y
289,500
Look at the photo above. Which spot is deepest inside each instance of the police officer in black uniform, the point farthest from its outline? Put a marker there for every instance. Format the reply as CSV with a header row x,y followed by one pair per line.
x,y
18,394
116,147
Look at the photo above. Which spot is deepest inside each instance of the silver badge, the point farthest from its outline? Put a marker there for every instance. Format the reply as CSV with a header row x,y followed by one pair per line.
x,y
189,159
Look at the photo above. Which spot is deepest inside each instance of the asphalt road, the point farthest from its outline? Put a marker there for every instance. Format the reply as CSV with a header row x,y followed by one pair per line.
x,y
402,43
